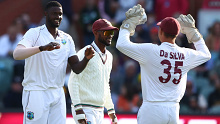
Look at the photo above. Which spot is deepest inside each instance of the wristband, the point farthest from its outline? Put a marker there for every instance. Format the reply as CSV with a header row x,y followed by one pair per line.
x,y
41,48
80,116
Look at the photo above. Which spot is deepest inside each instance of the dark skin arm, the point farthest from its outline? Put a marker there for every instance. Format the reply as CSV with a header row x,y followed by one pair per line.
x,y
78,66
49,47
112,116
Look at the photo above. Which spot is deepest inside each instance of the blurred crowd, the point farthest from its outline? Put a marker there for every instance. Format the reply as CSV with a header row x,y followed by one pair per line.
x,y
203,85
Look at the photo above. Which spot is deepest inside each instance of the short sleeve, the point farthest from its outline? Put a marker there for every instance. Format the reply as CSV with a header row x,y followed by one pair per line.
x,y
72,47
81,53
29,38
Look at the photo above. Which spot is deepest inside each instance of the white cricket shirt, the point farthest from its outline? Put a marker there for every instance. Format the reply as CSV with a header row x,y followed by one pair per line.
x,y
90,88
163,67
46,69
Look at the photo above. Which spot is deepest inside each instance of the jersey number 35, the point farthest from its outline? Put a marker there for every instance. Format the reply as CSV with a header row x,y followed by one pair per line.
x,y
167,71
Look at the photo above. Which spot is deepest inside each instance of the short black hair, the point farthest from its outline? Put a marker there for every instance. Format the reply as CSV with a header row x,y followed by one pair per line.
x,y
170,35
52,4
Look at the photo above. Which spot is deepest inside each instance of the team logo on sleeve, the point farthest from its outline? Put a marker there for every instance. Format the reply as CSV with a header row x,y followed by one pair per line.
x,y
88,122
30,115
63,41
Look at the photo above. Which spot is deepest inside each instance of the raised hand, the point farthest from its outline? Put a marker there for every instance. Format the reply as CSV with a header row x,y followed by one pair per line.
x,y
137,11
89,53
187,24
134,17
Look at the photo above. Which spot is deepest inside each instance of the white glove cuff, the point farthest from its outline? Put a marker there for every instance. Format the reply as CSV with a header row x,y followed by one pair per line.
x,y
193,35
80,116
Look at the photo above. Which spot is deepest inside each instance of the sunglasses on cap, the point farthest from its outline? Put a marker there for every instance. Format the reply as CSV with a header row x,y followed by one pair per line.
x,y
108,32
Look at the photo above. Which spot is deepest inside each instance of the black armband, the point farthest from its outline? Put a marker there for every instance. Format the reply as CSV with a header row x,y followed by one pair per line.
x,y
41,48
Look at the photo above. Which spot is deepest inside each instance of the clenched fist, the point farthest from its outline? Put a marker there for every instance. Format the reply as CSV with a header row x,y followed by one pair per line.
x,y
89,53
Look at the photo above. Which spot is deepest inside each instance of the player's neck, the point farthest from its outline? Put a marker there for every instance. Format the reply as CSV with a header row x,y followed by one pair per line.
x,y
169,40
53,31
100,46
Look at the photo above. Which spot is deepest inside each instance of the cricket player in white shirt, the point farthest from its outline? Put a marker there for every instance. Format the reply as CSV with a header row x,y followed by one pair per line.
x,y
163,67
90,90
47,51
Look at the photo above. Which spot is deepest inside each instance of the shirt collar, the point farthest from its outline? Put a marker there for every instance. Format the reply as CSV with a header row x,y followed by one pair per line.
x,y
169,44
45,27
97,48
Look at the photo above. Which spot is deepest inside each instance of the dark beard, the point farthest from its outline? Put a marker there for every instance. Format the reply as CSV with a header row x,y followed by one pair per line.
x,y
50,22
103,41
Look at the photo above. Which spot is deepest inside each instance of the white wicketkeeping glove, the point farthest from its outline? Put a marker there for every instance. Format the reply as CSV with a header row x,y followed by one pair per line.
x,y
134,16
187,24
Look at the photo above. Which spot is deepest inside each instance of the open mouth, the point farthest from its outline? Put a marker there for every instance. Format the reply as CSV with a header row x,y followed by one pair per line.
x,y
57,21
109,39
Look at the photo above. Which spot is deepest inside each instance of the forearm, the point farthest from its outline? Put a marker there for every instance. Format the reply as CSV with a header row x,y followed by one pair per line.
x,y
80,66
123,40
201,47
109,104
73,88
22,52
132,50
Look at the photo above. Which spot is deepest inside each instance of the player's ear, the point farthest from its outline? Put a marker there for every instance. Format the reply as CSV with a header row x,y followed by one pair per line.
x,y
95,32
159,31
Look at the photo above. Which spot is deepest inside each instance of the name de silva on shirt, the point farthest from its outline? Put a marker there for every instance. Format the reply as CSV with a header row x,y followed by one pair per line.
x,y
172,55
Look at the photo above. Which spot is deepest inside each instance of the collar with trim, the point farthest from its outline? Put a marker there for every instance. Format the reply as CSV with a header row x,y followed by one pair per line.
x,y
58,32
97,48
103,56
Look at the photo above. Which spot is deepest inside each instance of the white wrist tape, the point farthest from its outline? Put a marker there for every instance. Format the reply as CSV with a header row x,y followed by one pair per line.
x,y
115,120
80,116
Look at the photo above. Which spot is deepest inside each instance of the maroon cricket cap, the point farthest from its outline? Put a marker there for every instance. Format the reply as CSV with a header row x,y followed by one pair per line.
x,y
170,25
102,25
